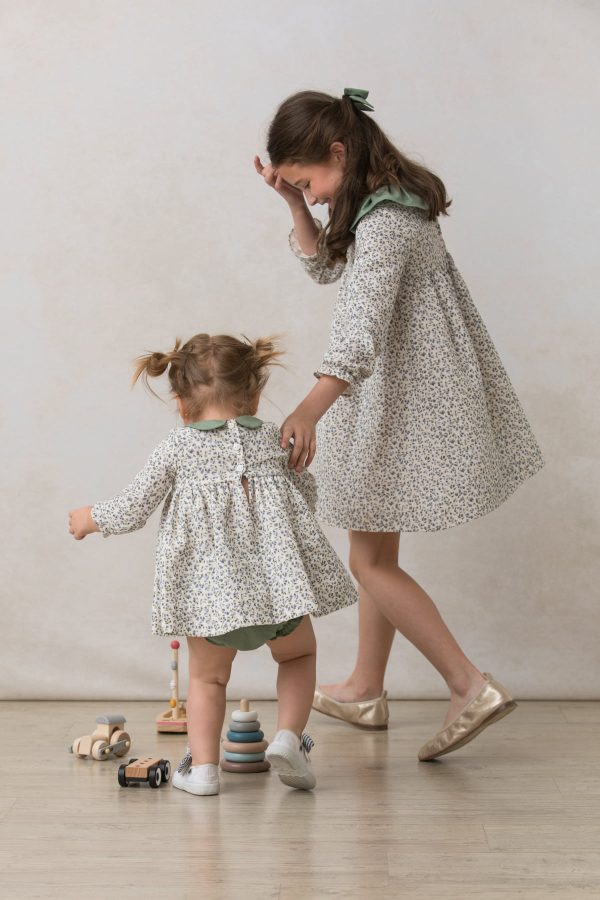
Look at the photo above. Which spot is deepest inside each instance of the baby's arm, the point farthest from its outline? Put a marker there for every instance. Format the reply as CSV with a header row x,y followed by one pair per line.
x,y
130,509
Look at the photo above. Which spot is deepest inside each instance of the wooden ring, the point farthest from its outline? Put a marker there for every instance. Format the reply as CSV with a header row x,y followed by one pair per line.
x,y
238,715
256,747
242,768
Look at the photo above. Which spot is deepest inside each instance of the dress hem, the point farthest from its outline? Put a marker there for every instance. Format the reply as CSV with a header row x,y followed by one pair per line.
x,y
429,529
314,614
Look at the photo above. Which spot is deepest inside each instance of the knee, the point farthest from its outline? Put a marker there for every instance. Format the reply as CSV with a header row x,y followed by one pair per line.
x,y
307,650
216,675
371,552
309,658
360,565
364,565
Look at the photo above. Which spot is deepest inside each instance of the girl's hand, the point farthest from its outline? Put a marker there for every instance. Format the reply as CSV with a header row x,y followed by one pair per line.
x,y
293,196
302,428
81,522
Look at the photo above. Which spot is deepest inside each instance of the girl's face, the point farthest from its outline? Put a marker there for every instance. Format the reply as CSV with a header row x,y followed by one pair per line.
x,y
318,181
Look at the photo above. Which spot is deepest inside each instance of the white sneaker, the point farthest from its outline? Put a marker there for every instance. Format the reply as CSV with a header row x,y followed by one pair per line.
x,y
288,754
201,780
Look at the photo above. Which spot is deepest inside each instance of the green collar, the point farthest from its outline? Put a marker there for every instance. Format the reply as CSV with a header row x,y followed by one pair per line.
x,y
387,192
213,424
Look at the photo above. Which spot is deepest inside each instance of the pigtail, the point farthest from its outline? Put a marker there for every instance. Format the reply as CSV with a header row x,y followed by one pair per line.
x,y
154,364
260,355
264,352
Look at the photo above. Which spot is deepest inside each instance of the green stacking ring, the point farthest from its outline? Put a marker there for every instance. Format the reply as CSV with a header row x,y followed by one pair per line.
x,y
244,757
245,737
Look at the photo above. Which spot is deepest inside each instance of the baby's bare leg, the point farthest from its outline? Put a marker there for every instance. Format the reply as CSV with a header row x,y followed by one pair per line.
x,y
209,668
297,657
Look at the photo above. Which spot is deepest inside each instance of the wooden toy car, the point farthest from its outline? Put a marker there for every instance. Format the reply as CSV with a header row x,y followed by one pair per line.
x,y
151,769
108,739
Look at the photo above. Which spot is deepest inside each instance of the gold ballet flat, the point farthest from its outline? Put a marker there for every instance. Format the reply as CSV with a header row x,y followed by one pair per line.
x,y
372,715
491,704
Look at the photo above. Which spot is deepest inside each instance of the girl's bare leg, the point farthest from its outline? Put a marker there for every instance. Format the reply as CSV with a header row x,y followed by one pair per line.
x,y
375,638
296,655
209,669
400,600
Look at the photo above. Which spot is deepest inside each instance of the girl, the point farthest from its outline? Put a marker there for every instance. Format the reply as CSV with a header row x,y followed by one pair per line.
x,y
240,559
419,426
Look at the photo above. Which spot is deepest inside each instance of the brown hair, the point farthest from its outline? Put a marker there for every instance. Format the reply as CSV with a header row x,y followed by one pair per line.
x,y
303,130
216,369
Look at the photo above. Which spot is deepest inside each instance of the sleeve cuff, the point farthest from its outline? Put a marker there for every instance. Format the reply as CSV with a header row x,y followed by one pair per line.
x,y
340,372
97,517
297,249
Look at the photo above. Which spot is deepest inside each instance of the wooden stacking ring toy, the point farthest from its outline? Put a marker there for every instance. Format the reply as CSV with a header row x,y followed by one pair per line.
x,y
244,747
174,718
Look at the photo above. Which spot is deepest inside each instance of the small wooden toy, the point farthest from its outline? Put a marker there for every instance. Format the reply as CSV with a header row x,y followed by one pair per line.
x,y
244,747
151,769
173,719
108,739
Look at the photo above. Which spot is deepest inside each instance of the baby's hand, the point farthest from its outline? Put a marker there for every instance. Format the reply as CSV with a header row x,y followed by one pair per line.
x,y
81,522
292,195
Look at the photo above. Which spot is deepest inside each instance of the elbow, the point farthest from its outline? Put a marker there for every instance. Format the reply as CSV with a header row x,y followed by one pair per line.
x,y
352,373
327,275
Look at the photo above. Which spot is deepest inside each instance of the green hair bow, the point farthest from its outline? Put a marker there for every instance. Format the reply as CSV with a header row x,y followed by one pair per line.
x,y
359,98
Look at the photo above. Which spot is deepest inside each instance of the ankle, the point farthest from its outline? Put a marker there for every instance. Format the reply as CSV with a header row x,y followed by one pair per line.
x,y
463,683
290,729
365,688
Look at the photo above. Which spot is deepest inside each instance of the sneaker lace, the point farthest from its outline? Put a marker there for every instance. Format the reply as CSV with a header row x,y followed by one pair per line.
x,y
186,762
306,744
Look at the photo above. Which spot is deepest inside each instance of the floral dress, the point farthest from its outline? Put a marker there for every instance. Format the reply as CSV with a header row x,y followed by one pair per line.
x,y
226,559
429,433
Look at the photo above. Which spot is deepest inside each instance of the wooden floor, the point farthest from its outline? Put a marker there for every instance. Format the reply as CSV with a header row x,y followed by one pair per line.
x,y
516,814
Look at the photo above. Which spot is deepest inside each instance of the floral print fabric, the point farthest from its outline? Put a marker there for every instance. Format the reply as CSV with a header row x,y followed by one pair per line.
x,y
429,433
224,559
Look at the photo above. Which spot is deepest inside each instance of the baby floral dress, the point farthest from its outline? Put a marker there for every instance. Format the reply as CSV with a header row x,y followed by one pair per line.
x,y
430,433
224,559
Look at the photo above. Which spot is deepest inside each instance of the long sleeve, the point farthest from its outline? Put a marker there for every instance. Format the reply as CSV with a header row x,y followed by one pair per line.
x,y
364,310
313,266
131,508
306,483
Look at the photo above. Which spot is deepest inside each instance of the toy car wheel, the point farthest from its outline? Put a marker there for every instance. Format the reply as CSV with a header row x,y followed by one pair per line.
x,y
165,768
117,736
98,749
74,749
122,776
154,776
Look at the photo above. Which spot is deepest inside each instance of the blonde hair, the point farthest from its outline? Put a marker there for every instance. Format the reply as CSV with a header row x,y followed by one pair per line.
x,y
213,369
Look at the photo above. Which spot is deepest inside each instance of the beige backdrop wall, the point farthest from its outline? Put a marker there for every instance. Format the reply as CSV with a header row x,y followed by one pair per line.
x,y
131,214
